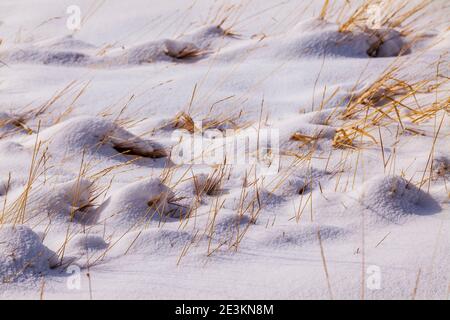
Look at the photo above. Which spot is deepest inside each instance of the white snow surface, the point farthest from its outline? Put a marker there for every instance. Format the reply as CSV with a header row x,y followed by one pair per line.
x,y
87,182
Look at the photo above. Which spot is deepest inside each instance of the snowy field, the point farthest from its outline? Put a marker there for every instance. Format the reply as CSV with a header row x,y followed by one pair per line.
x,y
234,149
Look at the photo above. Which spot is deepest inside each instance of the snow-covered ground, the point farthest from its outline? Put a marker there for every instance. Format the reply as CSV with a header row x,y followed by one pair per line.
x,y
348,198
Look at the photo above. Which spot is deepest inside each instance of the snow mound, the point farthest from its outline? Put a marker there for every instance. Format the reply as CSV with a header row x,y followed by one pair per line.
x,y
67,43
335,43
186,196
139,203
206,37
394,197
96,135
301,235
208,184
61,202
229,226
52,57
149,52
82,249
301,181
22,253
386,43
69,51
66,51
261,198
318,38
330,43
152,241
256,199
193,45
83,243
162,50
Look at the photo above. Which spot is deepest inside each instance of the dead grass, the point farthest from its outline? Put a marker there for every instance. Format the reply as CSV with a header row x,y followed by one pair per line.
x,y
19,122
379,18
221,122
132,148
394,14
184,121
390,99
186,53
211,185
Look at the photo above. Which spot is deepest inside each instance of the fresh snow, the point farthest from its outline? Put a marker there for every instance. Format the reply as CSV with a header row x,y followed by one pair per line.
x,y
93,202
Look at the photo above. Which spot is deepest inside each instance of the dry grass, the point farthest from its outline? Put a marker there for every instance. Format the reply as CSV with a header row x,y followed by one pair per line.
x,y
221,122
303,138
225,17
211,185
323,12
379,18
394,14
19,123
132,148
390,99
16,212
186,53
184,121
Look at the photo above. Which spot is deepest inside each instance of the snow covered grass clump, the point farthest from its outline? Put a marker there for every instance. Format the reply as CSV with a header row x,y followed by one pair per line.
x,y
354,95
49,57
229,227
319,37
69,51
96,136
324,38
393,198
301,181
163,50
188,47
83,243
22,254
256,198
56,203
374,29
139,203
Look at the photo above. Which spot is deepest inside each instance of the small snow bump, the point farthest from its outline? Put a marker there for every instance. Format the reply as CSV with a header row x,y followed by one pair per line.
x,y
22,253
393,198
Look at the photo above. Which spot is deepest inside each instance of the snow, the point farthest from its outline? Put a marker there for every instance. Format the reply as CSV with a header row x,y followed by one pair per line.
x,y
22,253
394,197
59,203
82,249
90,124
137,203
